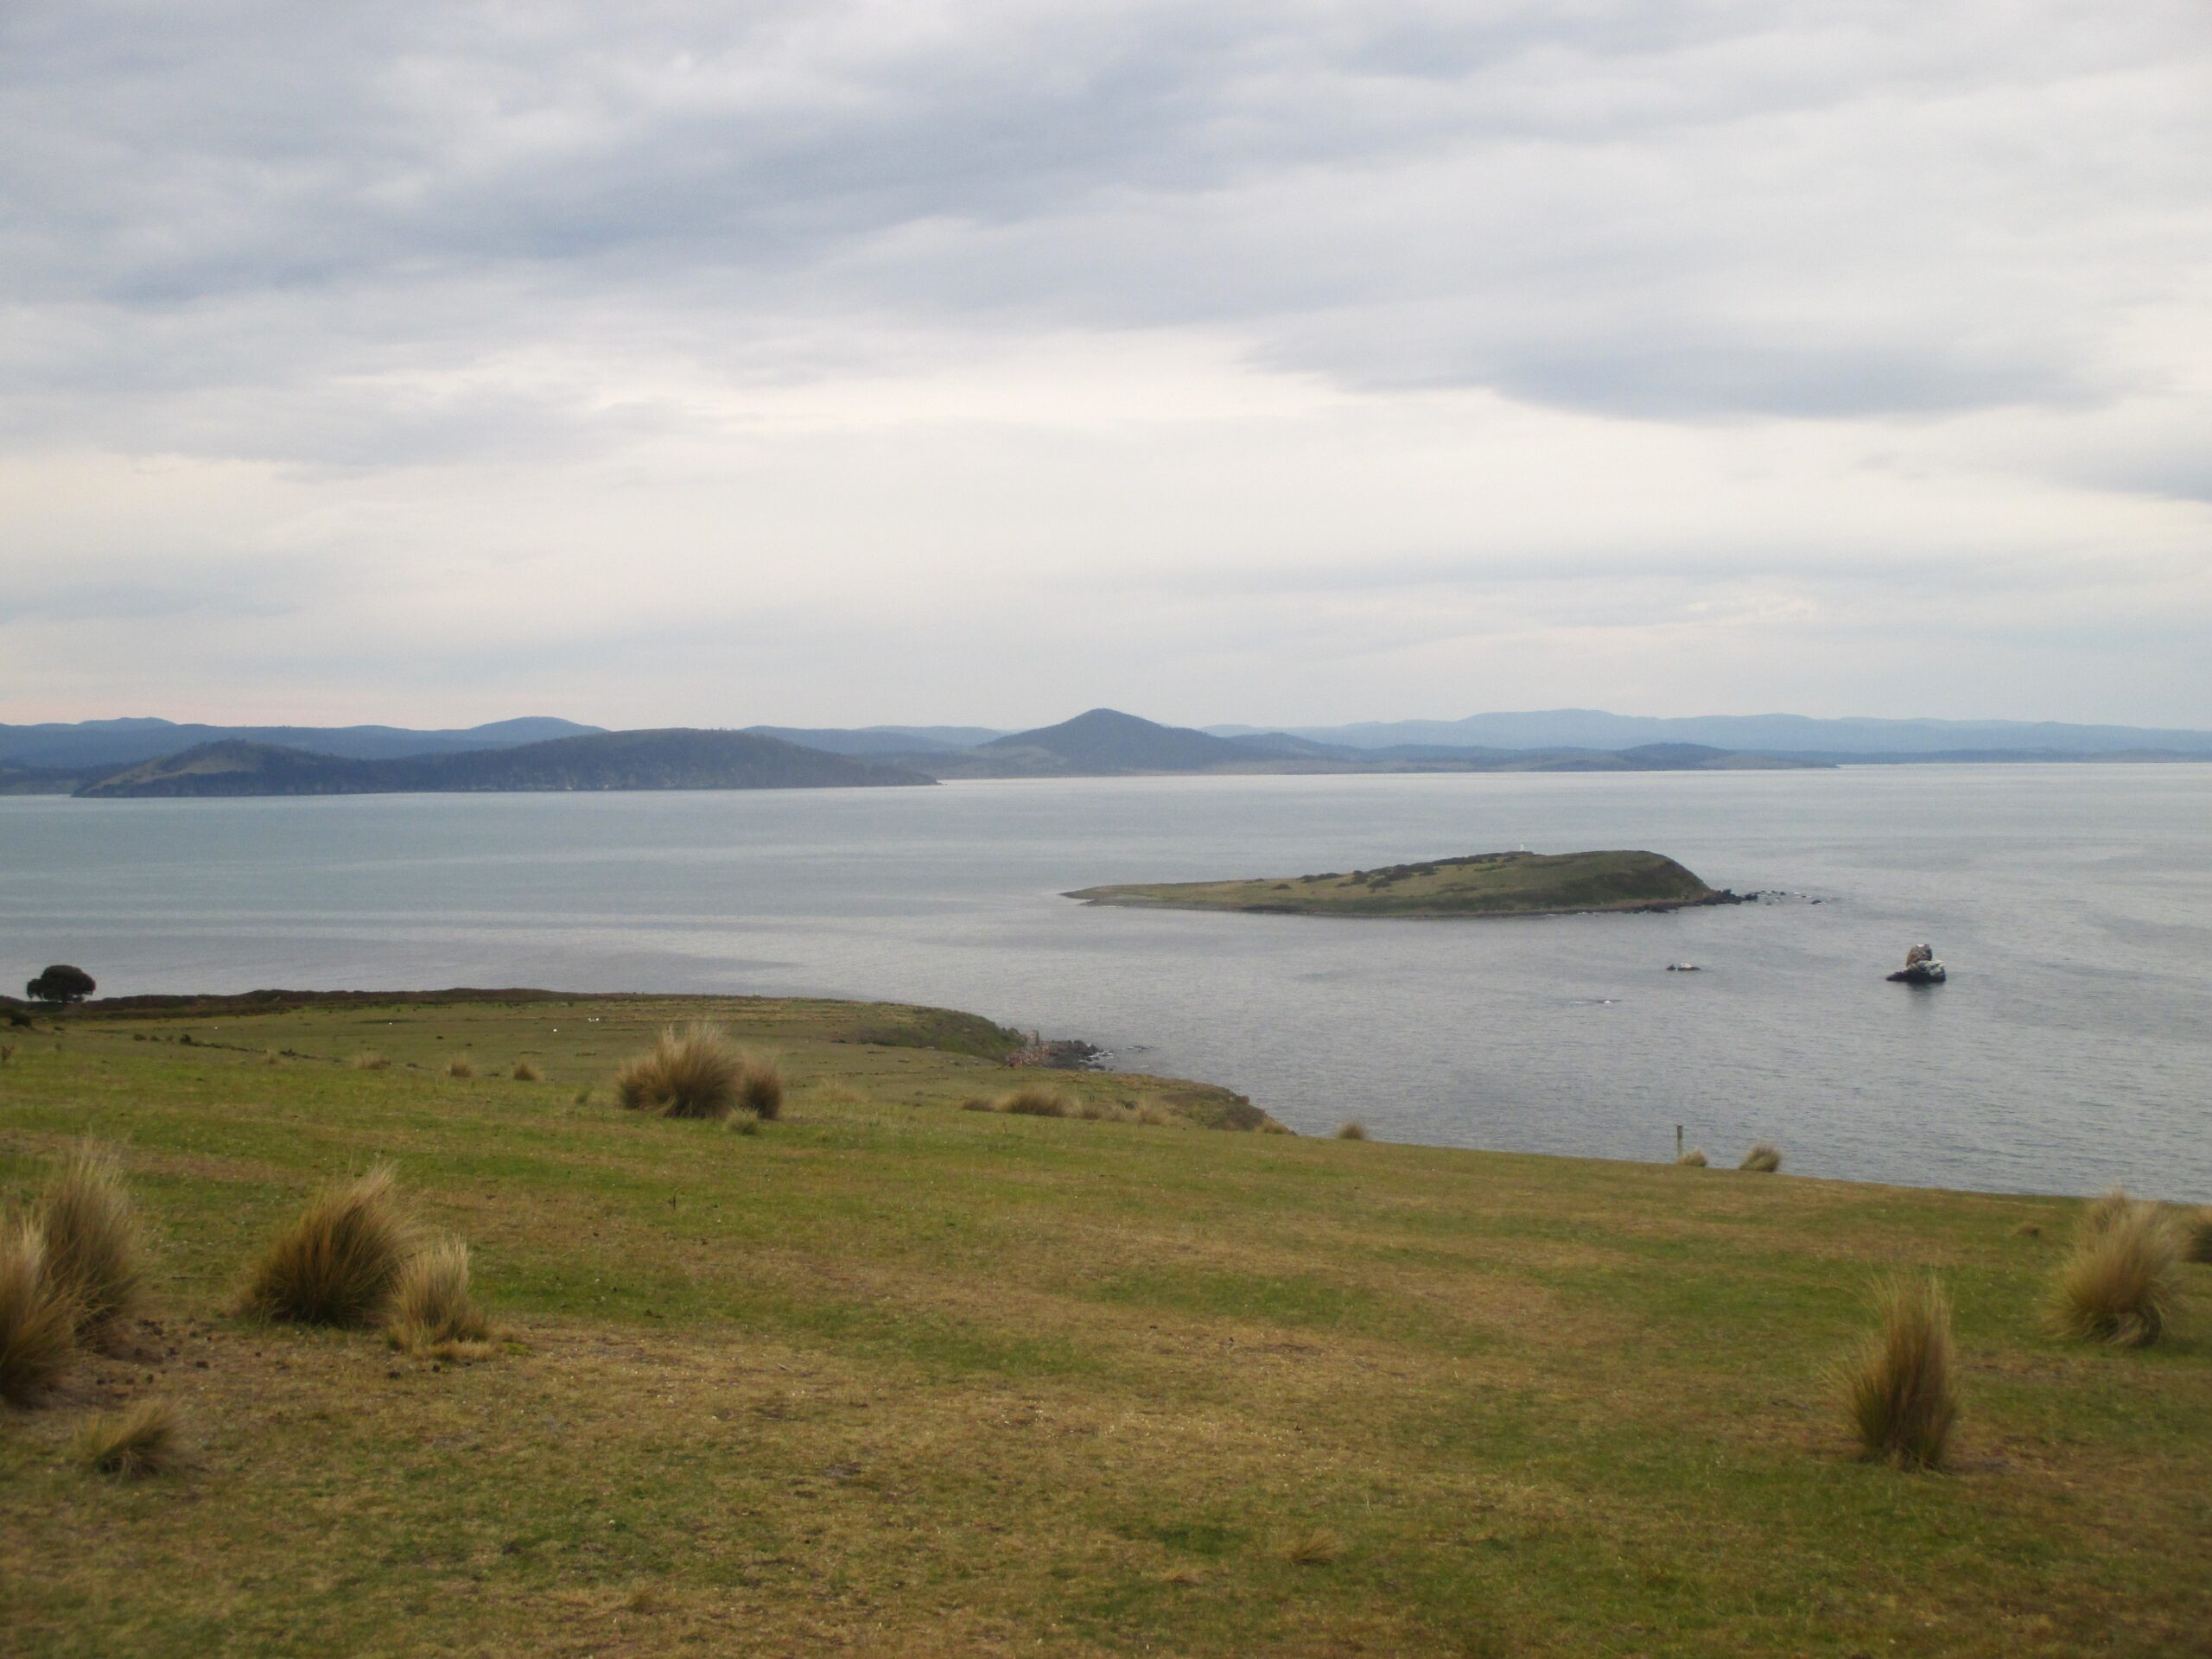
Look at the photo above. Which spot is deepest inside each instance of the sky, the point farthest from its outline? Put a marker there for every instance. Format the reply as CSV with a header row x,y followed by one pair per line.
x,y
1282,363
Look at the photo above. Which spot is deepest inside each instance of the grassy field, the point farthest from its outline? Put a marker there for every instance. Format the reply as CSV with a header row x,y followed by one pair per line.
x,y
887,1377
1485,884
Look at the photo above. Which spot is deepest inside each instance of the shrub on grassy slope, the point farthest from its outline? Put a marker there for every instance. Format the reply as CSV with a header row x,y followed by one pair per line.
x,y
1899,1388
2120,1282
1351,1129
691,1073
38,1322
1033,1100
91,1239
337,1262
1694,1159
1763,1159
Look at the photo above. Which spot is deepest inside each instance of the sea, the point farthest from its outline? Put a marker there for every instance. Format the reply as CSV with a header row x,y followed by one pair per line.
x,y
2071,1049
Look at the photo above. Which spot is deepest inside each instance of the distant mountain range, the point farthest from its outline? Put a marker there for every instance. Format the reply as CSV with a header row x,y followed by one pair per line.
x,y
1792,735
679,758
155,757
124,742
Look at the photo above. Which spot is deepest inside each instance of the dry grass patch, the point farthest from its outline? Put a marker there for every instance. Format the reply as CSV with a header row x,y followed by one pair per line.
x,y
338,1262
2122,1279
370,1060
1763,1159
525,1072
1316,1548
1031,1100
460,1067
1351,1129
694,1072
760,1087
431,1312
2197,1236
132,1444
92,1249
1899,1389
38,1322
1694,1159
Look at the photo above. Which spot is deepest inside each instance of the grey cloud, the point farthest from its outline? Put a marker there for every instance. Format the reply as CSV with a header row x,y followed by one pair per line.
x,y
1694,211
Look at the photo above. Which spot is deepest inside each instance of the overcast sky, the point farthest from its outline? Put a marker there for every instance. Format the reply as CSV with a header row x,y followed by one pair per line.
x,y
823,363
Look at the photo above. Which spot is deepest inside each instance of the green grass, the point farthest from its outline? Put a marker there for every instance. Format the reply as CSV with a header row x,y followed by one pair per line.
x,y
1485,884
891,1378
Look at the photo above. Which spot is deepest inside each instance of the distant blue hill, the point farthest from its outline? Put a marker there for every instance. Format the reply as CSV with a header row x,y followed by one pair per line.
x,y
127,742
1798,734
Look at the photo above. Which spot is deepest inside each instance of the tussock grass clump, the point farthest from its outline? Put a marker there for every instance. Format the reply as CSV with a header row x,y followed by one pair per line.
x,y
525,1072
460,1067
2028,1229
370,1060
338,1261
1351,1129
2197,1236
1033,1100
1152,1117
38,1322
1694,1159
689,1073
140,1440
1762,1160
270,1057
760,1087
2109,1206
92,1250
2122,1278
1899,1387
1318,1547
431,1312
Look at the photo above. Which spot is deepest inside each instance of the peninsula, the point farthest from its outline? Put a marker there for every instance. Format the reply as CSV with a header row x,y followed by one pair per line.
x,y
1485,884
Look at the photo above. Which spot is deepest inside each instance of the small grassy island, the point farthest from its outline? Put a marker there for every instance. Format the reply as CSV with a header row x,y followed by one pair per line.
x,y
1485,884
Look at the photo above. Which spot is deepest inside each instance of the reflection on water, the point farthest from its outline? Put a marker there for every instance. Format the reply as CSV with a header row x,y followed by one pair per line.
x,y
2073,904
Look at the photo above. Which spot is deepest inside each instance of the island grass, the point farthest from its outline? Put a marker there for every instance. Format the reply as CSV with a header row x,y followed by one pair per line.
x,y
889,1378
1481,885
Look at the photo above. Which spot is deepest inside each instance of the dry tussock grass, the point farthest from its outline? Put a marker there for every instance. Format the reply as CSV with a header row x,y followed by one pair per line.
x,y
2197,1236
337,1262
1762,1159
2121,1279
140,1440
1694,1159
1899,1388
459,1066
1351,1129
760,1087
1318,1547
525,1072
38,1322
694,1072
431,1313
92,1249
1033,1100
370,1060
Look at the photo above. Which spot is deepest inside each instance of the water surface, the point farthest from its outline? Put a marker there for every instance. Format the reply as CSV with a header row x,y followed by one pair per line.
x,y
2074,905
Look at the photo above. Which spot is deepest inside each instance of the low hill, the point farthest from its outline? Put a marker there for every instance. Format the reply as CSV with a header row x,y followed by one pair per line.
x,y
1485,884
680,758
1106,741
93,746
882,739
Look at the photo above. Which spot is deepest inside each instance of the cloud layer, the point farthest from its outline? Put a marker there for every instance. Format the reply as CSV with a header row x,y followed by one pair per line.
x,y
984,361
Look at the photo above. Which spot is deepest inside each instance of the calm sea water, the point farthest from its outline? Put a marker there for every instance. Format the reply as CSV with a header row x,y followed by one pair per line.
x,y
2071,1049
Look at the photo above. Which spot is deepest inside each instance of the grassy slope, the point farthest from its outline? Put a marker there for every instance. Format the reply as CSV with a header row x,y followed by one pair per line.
x,y
896,1378
1487,884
